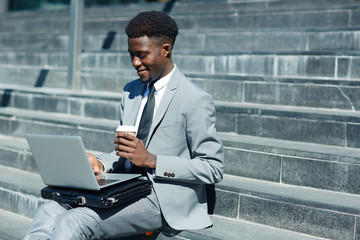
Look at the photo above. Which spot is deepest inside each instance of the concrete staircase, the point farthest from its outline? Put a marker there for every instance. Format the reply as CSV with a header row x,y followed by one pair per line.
x,y
285,82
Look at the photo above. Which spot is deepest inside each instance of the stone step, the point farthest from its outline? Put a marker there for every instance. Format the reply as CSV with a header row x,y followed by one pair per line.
x,y
295,163
341,14
106,103
306,65
196,7
86,104
320,213
304,210
18,122
275,41
321,126
13,226
323,92
298,163
313,93
25,76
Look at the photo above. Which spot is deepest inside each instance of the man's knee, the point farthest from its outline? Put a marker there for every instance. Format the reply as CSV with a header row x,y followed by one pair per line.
x,y
50,210
77,224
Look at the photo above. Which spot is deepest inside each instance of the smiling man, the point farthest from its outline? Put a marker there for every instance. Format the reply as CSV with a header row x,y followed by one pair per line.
x,y
176,147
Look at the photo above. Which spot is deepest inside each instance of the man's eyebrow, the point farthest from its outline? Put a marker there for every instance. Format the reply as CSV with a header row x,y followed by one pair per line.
x,y
137,52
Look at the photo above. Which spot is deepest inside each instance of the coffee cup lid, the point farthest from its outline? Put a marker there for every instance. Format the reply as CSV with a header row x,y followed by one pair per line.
x,y
126,128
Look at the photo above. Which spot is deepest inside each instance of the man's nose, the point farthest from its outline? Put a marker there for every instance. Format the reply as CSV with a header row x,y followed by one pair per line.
x,y
136,62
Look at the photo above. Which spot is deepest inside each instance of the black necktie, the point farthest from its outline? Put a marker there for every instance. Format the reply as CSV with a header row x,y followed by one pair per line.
x,y
145,123
147,115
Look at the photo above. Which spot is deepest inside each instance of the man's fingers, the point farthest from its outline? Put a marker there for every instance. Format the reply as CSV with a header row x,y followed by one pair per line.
x,y
124,148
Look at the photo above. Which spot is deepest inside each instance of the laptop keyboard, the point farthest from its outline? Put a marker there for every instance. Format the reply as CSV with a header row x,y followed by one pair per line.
x,y
102,182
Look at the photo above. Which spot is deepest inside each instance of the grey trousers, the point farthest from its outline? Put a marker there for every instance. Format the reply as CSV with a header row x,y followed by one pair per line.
x,y
56,221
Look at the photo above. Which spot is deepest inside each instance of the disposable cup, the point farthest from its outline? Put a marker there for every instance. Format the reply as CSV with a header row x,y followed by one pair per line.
x,y
126,128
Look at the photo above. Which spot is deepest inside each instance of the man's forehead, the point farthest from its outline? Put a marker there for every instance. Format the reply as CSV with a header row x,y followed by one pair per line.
x,y
142,42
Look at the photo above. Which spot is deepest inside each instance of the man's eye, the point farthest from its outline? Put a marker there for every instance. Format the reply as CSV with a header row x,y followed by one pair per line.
x,y
142,56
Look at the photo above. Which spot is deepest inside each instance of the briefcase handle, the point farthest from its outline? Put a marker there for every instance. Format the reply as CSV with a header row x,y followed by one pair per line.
x,y
71,200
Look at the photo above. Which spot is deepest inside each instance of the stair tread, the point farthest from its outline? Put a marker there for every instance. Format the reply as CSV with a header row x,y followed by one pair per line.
x,y
292,145
264,108
56,117
230,137
13,226
225,228
331,200
222,226
15,180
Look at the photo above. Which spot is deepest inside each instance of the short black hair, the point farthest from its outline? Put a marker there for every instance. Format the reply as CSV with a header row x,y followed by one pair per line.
x,y
153,24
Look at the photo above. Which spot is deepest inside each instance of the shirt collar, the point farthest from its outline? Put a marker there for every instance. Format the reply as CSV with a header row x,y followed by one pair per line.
x,y
162,82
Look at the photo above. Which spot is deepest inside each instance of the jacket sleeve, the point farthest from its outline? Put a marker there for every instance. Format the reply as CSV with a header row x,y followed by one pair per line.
x,y
203,159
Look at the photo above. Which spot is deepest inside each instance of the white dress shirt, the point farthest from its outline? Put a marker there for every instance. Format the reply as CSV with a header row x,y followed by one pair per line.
x,y
160,87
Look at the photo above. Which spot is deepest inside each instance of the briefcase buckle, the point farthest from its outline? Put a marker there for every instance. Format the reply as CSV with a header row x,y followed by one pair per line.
x,y
82,201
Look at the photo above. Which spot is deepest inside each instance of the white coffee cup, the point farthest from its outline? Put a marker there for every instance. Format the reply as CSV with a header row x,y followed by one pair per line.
x,y
126,129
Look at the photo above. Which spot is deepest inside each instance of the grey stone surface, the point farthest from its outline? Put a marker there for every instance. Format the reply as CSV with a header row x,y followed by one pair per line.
x,y
352,133
335,41
107,81
226,204
105,109
256,120
353,71
28,76
306,95
13,226
42,123
230,229
241,64
343,70
222,90
311,66
299,56
282,122
189,40
298,218
343,203
303,130
9,154
291,148
253,164
227,196
232,90
260,17
20,191
342,177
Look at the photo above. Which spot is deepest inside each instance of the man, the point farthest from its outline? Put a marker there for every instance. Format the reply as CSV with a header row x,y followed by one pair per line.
x,y
180,153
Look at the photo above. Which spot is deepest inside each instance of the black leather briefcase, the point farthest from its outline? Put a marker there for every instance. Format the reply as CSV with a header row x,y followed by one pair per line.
x,y
111,196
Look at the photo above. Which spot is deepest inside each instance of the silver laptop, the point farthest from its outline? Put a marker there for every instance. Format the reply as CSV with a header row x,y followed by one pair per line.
x,y
62,161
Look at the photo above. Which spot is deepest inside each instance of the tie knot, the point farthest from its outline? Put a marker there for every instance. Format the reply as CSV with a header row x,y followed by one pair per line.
x,y
151,88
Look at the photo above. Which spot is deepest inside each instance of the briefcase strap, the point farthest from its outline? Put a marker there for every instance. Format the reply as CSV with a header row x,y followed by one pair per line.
x,y
71,200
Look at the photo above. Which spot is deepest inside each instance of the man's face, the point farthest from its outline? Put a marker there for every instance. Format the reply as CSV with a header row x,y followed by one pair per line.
x,y
148,57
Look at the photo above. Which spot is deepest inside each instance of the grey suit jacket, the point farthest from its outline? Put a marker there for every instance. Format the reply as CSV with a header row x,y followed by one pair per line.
x,y
189,151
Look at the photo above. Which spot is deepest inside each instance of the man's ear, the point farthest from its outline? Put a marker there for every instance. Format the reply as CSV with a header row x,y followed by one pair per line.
x,y
167,50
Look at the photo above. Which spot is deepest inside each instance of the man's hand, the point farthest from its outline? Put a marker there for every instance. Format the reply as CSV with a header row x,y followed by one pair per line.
x,y
132,148
96,164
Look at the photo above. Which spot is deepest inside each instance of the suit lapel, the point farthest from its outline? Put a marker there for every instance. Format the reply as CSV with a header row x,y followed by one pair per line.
x,y
165,101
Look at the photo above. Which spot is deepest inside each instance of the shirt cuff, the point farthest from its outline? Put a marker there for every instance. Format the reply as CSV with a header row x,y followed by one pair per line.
x,y
102,164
